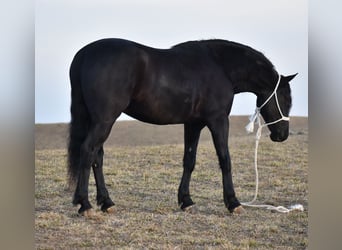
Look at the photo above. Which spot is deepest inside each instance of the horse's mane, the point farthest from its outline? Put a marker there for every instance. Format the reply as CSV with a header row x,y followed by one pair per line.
x,y
226,43
257,55
220,46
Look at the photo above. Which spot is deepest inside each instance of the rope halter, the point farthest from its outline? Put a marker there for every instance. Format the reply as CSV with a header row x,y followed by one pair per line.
x,y
256,116
250,128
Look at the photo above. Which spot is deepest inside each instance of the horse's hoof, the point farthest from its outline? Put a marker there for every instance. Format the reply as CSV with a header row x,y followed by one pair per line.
x,y
88,213
110,210
239,210
190,209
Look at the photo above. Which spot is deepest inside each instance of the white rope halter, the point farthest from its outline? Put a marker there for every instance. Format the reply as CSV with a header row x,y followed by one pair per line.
x,y
256,117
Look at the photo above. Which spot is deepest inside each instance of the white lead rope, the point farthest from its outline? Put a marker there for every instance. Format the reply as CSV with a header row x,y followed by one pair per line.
x,y
256,117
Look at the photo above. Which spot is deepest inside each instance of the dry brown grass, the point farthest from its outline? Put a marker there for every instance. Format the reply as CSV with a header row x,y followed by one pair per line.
x,y
143,182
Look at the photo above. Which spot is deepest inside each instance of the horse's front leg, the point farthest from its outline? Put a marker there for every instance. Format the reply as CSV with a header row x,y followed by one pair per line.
x,y
219,131
191,137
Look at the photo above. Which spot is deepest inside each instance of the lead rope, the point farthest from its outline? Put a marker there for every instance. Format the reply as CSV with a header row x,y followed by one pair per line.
x,y
250,127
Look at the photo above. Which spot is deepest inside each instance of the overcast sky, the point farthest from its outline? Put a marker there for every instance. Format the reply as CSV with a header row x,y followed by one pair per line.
x,y
276,28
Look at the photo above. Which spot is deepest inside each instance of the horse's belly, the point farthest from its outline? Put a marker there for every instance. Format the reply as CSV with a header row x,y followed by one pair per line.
x,y
160,113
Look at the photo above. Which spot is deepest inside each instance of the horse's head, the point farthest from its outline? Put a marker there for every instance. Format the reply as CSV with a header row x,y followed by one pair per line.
x,y
275,107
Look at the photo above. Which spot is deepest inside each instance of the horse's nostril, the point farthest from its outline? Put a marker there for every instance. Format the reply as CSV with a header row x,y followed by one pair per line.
x,y
278,137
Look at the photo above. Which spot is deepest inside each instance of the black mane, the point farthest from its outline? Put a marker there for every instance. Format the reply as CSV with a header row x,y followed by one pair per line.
x,y
257,55
236,56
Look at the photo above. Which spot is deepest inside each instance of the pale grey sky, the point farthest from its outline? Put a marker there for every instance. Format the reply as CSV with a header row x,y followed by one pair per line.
x,y
276,28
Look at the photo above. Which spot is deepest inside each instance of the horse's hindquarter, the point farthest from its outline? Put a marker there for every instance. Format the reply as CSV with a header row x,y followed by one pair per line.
x,y
109,70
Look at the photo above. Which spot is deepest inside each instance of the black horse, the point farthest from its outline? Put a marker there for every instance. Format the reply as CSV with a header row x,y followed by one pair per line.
x,y
192,83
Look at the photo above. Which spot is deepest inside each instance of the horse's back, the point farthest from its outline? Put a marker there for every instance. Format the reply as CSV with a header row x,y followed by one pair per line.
x,y
179,85
160,86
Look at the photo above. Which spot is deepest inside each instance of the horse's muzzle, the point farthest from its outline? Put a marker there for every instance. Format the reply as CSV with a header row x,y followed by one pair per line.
x,y
279,137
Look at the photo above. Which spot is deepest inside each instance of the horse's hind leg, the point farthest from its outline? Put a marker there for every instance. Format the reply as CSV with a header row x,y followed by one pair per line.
x,y
97,135
191,137
102,197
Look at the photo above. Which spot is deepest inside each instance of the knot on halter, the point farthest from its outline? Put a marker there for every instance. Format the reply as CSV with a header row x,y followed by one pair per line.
x,y
252,119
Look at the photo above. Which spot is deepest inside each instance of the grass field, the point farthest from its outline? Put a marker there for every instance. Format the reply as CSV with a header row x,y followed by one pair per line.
x,y
143,178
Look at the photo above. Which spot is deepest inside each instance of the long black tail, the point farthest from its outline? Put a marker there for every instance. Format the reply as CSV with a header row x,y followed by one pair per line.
x,y
79,120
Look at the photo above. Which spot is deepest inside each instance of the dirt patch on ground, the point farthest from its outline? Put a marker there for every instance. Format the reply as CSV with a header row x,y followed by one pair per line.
x,y
135,133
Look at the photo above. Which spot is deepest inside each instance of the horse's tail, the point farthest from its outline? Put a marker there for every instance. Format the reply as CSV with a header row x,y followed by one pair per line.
x,y
79,120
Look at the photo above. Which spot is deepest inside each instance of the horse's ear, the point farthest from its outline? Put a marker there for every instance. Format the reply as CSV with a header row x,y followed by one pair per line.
x,y
290,77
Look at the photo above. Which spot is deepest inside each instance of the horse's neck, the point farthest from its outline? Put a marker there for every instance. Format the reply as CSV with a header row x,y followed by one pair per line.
x,y
255,81
250,72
